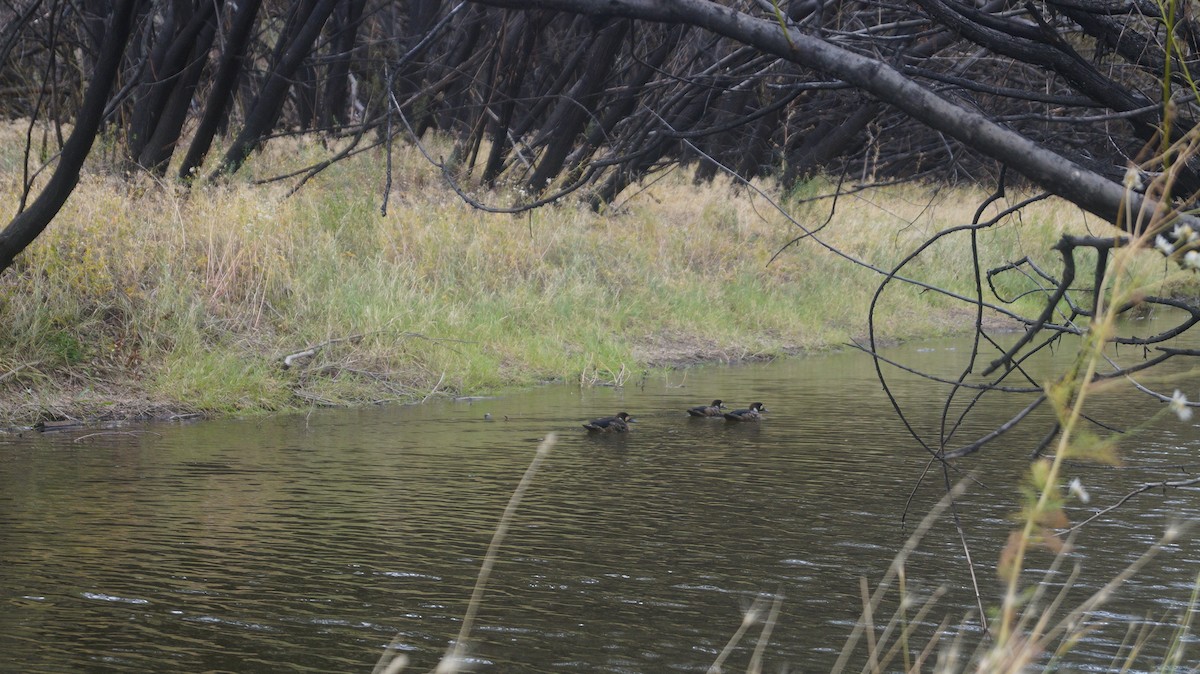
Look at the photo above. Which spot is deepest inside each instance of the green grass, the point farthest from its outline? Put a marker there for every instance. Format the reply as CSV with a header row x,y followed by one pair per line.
x,y
149,297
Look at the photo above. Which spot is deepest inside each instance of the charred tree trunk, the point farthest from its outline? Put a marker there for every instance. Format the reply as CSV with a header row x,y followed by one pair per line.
x,y
633,90
224,86
168,123
28,224
346,20
574,110
510,69
264,112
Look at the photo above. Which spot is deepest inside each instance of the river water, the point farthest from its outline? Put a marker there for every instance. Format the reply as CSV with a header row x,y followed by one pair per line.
x,y
308,542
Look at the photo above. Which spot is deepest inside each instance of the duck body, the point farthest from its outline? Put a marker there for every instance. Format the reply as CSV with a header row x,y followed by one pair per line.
x,y
613,424
713,410
754,413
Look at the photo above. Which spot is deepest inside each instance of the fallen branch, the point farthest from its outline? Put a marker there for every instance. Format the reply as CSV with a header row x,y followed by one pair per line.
x,y
129,433
60,425
311,351
1140,490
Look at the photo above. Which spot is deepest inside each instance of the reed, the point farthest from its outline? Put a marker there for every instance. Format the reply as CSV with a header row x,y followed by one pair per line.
x,y
144,297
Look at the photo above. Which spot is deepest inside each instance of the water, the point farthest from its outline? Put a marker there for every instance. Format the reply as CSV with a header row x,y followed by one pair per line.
x,y
307,542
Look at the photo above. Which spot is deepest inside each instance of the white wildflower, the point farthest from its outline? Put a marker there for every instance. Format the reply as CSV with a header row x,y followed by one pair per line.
x,y
1179,405
1161,243
1183,233
1191,259
1076,489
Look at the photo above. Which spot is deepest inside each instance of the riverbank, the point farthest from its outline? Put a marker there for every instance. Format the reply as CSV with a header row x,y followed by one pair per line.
x,y
145,300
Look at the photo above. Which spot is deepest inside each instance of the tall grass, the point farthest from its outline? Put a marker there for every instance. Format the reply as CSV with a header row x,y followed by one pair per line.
x,y
143,296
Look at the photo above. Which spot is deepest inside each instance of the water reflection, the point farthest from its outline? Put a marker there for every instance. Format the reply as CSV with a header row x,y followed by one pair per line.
x,y
304,543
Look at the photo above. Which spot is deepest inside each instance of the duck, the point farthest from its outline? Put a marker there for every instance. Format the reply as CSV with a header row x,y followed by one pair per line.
x,y
752,414
615,424
713,410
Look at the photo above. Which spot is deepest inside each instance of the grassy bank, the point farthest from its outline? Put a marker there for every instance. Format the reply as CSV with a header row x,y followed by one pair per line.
x,y
145,298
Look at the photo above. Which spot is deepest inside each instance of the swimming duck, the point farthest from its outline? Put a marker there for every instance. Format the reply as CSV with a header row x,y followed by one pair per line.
x,y
752,414
617,424
713,410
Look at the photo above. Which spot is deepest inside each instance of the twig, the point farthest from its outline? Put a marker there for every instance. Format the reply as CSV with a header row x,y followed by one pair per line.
x,y
1067,250
966,548
941,380
1140,490
996,432
978,333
